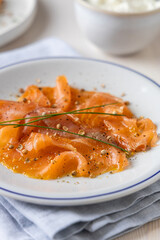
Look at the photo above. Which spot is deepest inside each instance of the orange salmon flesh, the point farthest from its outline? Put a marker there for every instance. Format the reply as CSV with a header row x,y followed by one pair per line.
x,y
50,154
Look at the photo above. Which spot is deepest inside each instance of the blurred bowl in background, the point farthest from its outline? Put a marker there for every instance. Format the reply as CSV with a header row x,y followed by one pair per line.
x,y
117,33
16,16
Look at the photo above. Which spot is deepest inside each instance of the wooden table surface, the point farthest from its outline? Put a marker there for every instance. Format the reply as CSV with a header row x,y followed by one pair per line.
x,y
55,18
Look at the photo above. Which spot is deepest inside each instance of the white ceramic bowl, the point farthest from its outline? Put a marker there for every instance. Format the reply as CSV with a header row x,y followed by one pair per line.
x,y
144,96
117,33
16,16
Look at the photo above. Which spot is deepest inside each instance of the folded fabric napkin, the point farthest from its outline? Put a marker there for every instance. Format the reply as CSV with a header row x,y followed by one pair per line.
x,y
24,221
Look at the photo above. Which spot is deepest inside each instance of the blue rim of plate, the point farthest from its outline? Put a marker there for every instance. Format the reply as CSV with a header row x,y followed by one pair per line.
x,y
91,60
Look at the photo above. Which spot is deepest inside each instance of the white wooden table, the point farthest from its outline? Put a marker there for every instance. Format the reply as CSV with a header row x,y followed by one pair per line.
x,y
56,18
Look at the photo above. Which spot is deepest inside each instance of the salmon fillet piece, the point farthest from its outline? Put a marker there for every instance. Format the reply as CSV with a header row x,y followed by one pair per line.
x,y
50,152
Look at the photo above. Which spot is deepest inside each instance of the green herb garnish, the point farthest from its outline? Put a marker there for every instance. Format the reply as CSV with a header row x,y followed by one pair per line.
x,y
60,130
65,113
6,123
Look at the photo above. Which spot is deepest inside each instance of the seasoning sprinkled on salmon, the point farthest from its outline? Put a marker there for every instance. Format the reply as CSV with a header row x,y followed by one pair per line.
x,y
51,132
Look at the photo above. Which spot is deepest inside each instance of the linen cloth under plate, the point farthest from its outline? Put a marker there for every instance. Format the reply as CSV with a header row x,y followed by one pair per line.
x,y
24,221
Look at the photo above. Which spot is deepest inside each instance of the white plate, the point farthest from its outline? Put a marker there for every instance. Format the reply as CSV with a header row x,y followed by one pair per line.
x,y
16,16
142,92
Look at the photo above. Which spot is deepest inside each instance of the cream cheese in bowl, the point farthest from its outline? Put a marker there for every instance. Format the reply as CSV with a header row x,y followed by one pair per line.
x,y
119,27
126,6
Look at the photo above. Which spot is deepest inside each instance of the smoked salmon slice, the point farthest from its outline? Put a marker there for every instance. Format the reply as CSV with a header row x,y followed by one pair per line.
x,y
62,93
72,132
35,95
